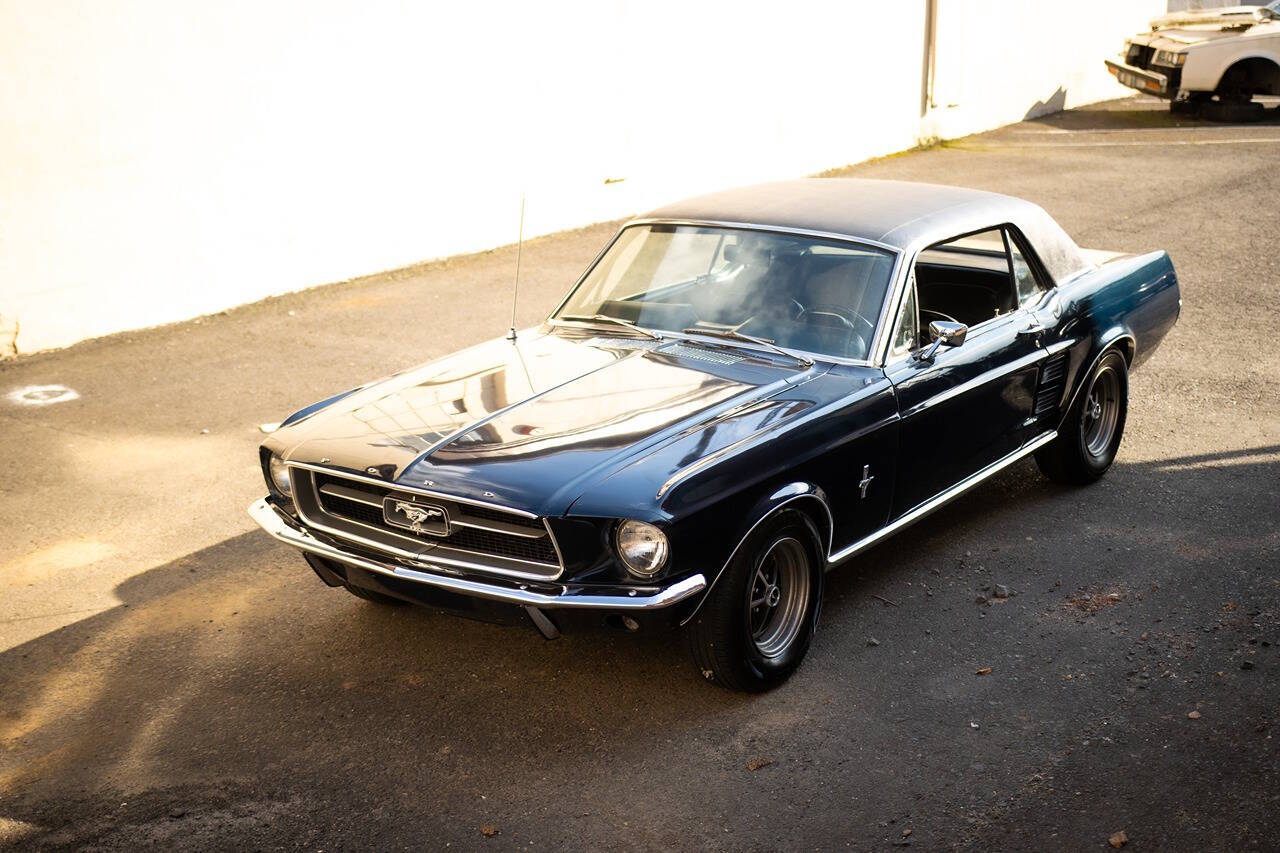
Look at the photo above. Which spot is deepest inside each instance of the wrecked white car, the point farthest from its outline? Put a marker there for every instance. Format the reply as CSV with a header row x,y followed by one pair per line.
x,y
1212,61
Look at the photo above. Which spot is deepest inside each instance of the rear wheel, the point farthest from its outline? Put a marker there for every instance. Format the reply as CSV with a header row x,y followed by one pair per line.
x,y
1090,435
755,626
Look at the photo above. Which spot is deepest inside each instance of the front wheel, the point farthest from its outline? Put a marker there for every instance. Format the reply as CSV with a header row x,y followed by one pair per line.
x,y
1090,435
1238,109
756,624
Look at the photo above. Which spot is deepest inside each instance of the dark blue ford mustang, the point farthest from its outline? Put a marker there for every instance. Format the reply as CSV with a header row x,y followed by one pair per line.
x,y
743,391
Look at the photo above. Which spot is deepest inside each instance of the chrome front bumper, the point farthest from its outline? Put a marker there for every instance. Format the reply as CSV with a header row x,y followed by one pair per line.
x,y
613,598
1139,78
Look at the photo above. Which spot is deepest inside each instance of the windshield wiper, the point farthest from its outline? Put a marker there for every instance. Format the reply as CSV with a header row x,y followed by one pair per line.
x,y
733,334
607,318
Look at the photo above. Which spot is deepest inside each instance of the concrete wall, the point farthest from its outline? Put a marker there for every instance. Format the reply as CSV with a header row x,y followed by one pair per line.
x,y
160,160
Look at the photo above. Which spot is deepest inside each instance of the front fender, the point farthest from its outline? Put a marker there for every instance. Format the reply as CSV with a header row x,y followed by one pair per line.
x,y
806,496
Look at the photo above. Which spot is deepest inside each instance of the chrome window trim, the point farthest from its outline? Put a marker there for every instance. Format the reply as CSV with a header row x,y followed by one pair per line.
x,y
873,345
880,353
897,295
937,501
417,556
760,226
985,327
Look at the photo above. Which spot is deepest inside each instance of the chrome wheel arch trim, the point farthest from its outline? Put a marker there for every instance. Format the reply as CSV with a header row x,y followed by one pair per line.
x,y
798,492
1112,344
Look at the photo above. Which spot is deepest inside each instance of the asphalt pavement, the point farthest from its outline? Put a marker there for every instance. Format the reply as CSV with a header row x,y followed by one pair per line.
x,y
171,677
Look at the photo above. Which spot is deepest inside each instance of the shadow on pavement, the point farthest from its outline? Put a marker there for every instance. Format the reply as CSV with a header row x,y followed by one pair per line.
x,y
231,698
1086,118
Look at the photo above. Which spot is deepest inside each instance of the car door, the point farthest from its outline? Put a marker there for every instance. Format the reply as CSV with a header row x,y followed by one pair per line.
x,y
967,407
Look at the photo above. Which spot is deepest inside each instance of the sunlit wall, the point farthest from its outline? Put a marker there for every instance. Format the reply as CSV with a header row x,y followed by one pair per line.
x,y
160,160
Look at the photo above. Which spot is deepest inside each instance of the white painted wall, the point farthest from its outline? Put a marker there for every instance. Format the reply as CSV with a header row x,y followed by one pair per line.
x,y
160,160
1000,62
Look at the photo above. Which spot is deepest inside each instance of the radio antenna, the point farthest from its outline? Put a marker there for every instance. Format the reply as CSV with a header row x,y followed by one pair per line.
x,y
515,288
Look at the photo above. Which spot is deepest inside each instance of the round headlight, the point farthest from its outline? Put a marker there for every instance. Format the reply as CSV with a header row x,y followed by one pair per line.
x,y
642,547
279,474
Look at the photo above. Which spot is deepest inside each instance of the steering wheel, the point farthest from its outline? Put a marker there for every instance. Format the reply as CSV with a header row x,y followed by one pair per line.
x,y
946,317
846,316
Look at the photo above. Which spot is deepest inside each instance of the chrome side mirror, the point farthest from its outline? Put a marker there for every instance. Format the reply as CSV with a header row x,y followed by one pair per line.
x,y
944,333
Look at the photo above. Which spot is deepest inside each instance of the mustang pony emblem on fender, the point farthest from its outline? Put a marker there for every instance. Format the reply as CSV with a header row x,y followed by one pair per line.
x,y
867,477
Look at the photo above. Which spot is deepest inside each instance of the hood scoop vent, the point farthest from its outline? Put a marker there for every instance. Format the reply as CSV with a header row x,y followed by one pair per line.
x,y
698,354
622,343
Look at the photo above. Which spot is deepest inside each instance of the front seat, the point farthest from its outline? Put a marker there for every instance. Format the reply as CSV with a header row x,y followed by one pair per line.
x,y
831,314
763,288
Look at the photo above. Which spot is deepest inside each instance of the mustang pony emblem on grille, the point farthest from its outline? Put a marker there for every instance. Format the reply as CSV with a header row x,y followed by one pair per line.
x,y
418,518
418,514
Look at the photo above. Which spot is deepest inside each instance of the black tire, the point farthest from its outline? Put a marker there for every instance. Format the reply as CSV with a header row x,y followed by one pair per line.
x,y
737,646
1232,110
375,597
1090,434
1189,106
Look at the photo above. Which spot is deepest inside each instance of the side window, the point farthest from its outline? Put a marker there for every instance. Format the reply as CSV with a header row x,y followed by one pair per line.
x,y
967,279
905,338
1029,287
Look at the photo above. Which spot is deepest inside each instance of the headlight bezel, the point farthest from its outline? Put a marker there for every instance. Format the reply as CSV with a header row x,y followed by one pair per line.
x,y
276,473
630,537
1169,58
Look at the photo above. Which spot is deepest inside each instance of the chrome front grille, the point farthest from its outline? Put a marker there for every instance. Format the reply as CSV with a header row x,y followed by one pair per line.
x,y
474,536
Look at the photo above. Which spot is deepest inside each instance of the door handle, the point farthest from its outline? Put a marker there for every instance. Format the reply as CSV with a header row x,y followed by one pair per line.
x,y
1036,329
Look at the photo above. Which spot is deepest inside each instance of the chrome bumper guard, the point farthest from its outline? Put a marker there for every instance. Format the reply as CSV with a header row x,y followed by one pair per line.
x,y
1138,78
291,533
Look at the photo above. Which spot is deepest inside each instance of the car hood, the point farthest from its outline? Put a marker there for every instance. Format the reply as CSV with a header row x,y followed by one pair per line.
x,y
1223,16
529,424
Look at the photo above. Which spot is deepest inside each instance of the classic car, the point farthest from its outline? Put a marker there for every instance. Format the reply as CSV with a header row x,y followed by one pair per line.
x,y
1209,61
742,391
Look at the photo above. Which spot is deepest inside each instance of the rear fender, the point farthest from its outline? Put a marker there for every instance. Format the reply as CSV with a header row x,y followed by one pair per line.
x,y
1116,338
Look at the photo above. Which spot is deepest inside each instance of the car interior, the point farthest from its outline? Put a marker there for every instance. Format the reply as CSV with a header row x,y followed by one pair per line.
x,y
812,298
965,281
968,280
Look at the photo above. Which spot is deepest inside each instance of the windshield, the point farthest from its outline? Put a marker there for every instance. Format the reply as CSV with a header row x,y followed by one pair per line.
x,y
804,293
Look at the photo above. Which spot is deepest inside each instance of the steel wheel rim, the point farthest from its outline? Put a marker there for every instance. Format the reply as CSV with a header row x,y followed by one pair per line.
x,y
1101,412
778,597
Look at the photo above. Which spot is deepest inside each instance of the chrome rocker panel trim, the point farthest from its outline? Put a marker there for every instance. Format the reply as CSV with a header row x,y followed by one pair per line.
x,y
906,520
273,523
940,499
